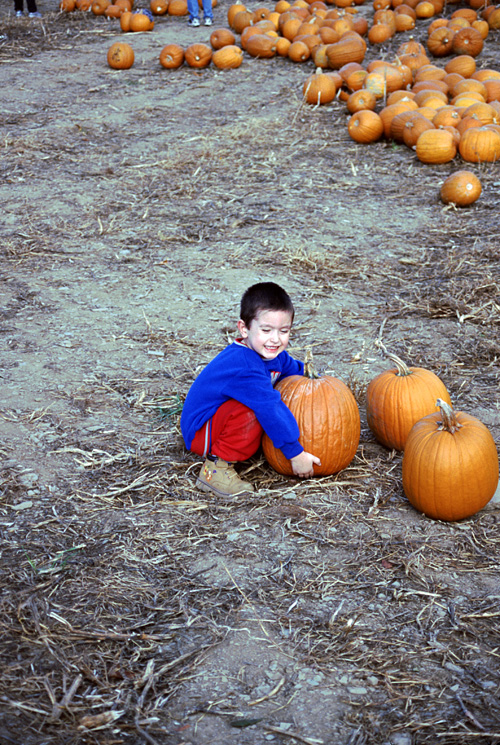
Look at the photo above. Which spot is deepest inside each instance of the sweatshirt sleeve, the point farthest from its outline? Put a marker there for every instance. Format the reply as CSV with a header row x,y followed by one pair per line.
x,y
253,388
291,366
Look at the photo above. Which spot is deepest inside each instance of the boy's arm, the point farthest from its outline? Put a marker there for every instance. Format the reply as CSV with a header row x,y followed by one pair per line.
x,y
291,366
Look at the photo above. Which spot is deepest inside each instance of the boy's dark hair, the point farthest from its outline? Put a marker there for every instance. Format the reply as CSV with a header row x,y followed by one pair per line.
x,y
264,296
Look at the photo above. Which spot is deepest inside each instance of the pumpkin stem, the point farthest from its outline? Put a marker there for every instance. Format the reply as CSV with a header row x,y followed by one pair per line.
x,y
402,367
309,371
449,422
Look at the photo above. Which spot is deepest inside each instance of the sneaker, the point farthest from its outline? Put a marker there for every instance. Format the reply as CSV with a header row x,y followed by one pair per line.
x,y
36,14
220,478
194,22
208,21
19,13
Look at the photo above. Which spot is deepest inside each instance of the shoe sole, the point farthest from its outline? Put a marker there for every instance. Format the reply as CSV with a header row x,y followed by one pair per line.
x,y
207,488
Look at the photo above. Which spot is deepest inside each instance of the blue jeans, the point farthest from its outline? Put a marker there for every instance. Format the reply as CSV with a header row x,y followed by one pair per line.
x,y
194,9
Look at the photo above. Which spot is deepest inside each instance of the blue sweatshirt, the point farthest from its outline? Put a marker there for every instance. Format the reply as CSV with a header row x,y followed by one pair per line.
x,y
240,373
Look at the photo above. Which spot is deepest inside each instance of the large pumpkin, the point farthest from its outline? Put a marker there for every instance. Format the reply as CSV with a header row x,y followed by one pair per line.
x,y
328,418
450,465
397,398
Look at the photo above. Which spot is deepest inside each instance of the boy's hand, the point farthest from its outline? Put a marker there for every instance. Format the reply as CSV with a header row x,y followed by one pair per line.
x,y
302,464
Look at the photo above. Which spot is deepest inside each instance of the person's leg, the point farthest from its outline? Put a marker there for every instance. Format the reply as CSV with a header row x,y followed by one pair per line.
x,y
232,434
18,6
208,12
193,9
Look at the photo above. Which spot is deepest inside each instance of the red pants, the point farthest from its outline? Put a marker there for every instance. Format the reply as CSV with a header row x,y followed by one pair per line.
x,y
233,433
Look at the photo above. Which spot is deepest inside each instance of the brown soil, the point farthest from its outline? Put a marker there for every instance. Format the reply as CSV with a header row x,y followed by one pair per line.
x,y
137,207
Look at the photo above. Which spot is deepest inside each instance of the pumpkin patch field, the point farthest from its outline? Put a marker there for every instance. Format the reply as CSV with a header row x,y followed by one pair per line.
x,y
148,177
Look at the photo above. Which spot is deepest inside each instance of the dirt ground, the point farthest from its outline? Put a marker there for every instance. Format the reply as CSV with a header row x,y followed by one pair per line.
x,y
137,207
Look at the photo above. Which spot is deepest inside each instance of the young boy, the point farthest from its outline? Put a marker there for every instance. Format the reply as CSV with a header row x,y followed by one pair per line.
x,y
233,401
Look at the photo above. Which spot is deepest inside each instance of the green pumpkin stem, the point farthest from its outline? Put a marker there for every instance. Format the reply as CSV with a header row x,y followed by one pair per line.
x,y
309,371
402,368
449,422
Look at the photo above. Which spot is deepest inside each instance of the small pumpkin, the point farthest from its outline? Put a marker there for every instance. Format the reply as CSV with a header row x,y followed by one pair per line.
x,y
347,49
158,7
467,41
232,10
399,397
414,127
120,56
450,465
480,145
464,64
228,57
359,100
113,11
298,51
436,146
177,8
125,19
198,55
365,126
141,22
319,88
461,188
328,418
172,56
261,45
221,37
98,7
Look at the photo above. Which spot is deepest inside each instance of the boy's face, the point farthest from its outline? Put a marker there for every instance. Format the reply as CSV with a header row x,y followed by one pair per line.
x,y
268,334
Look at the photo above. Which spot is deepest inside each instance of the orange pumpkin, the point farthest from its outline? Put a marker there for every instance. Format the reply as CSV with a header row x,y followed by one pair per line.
x,y
328,418
158,7
450,465
298,51
141,22
113,11
480,144
319,88
125,19
221,37
177,8
347,49
397,398
120,56
467,41
461,188
171,56
261,45
228,57
198,55
99,6
365,126
436,146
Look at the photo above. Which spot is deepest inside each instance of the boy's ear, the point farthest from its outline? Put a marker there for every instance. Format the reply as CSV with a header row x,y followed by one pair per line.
x,y
242,329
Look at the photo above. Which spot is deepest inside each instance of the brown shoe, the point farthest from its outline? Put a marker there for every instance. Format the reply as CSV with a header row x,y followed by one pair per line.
x,y
220,478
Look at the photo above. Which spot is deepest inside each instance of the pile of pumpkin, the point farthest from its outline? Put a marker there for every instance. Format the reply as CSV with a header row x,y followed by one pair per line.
x,y
450,461
222,52
434,109
116,8
437,111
